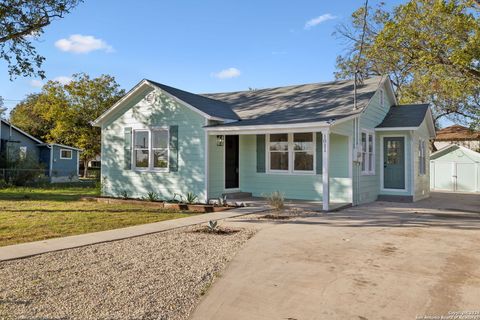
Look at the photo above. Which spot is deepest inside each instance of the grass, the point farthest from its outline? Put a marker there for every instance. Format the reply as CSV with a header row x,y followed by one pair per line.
x,y
31,214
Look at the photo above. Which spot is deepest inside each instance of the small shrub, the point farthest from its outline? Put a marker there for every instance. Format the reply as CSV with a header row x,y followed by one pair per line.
x,y
276,200
222,201
151,196
191,197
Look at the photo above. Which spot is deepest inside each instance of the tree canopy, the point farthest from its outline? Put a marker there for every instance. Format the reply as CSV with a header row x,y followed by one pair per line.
x,y
429,48
21,21
63,113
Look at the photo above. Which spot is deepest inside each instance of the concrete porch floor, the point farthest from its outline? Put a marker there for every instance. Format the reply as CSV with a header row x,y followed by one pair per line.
x,y
291,203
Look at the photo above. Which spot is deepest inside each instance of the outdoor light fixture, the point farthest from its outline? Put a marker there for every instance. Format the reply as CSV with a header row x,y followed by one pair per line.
x,y
220,140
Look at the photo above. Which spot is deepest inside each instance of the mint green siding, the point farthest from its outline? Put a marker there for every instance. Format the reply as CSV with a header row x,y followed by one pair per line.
x,y
293,186
369,185
138,113
421,182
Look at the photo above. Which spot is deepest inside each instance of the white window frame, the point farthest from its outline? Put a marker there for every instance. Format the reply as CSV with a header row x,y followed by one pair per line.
x,y
291,156
66,158
22,152
422,157
150,149
369,171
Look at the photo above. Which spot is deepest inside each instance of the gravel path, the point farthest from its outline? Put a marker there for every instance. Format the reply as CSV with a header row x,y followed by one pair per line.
x,y
160,276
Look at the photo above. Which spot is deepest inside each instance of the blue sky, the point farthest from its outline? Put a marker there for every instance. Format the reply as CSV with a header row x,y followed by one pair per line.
x,y
199,46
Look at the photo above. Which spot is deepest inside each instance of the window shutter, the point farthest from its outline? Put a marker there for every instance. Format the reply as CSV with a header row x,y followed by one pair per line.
x,y
127,154
319,147
173,144
260,153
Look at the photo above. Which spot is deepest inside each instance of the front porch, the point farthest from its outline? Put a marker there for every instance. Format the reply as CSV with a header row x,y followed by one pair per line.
x,y
310,167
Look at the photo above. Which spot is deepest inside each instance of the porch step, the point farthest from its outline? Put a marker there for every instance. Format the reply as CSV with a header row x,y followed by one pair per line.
x,y
237,195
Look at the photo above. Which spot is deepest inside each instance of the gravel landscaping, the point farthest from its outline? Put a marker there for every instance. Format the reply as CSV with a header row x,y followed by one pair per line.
x,y
160,276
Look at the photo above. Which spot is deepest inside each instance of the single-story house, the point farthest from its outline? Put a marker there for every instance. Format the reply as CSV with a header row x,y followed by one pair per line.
x,y
308,141
455,168
458,135
59,162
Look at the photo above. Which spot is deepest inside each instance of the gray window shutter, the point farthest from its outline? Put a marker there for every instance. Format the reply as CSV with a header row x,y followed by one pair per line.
x,y
319,146
127,155
173,161
260,153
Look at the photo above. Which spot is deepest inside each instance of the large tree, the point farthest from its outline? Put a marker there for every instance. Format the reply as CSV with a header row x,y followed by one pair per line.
x,y
430,49
63,113
21,21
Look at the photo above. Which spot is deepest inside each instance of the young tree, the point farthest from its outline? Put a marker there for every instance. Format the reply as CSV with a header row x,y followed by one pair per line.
x,y
20,22
430,49
62,113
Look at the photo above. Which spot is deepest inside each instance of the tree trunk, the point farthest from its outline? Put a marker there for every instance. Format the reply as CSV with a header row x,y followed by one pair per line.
x,y
85,167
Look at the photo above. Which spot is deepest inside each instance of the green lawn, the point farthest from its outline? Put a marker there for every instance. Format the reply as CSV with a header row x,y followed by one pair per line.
x,y
30,214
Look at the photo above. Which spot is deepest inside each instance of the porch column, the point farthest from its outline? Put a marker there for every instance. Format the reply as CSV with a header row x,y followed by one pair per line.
x,y
325,175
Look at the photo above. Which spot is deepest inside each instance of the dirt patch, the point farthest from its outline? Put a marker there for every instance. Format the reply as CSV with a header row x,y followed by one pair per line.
x,y
219,231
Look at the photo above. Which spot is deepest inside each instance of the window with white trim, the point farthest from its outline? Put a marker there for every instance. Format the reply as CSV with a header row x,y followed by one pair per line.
x,y
150,149
368,152
22,152
65,154
422,159
291,152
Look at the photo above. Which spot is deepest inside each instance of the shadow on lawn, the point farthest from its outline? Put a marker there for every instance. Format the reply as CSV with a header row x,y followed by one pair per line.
x,y
51,195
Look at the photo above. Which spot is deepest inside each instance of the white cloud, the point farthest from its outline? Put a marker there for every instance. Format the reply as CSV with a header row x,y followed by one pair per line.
x,y
78,43
63,79
227,73
316,21
36,83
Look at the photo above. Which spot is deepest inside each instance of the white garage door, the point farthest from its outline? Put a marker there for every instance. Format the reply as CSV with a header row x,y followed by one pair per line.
x,y
454,176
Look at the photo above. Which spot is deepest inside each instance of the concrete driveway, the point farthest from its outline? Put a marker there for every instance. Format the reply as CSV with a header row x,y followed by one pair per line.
x,y
378,261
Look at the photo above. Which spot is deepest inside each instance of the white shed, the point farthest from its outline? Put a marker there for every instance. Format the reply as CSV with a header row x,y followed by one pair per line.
x,y
455,168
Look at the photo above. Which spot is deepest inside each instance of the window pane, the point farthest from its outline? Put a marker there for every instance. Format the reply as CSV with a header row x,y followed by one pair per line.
x,y
370,143
363,161
279,142
303,141
279,160
141,139
160,158
141,158
66,153
364,141
160,139
304,161
370,161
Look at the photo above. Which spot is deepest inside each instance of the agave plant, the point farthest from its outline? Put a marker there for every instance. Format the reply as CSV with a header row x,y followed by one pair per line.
x,y
152,196
123,194
191,197
212,225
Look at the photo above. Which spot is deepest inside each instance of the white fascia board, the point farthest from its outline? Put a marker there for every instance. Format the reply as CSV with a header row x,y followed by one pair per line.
x,y
396,129
97,122
271,128
60,145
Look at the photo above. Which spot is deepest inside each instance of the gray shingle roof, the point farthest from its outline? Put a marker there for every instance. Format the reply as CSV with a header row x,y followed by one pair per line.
x,y
298,104
408,115
214,108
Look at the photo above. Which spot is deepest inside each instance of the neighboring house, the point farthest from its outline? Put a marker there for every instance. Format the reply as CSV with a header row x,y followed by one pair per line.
x,y
455,168
306,141
458,135
60,162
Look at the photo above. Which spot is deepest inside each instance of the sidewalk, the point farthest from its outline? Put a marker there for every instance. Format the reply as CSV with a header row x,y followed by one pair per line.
x,y
28,249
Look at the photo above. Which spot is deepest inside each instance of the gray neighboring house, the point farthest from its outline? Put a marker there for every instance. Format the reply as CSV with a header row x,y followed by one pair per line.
x,y
60,161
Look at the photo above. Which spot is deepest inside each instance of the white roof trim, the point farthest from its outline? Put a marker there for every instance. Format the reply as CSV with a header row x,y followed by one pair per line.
x,y
97,122
268,127
396,128
21,131
142,83
450,146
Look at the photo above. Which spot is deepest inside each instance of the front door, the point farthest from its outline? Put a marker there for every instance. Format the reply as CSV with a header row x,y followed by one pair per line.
x,y
394,163
231,162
